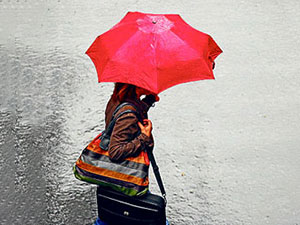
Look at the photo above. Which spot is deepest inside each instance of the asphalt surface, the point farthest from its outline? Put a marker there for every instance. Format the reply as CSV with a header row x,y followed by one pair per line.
x,y
228,149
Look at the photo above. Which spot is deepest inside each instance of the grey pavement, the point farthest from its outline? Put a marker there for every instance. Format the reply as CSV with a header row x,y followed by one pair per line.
x,y
228,149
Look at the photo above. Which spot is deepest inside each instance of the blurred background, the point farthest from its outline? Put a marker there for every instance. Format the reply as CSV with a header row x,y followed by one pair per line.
x,y
228,149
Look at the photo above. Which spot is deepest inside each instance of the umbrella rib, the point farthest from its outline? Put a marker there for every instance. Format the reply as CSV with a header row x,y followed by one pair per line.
x,y
154,44
186,42
120,47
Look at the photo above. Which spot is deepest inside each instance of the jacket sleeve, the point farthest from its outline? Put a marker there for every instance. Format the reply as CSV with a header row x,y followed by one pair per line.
x,y
124,142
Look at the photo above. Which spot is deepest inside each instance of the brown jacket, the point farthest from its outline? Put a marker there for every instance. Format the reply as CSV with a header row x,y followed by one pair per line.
x,y
124,141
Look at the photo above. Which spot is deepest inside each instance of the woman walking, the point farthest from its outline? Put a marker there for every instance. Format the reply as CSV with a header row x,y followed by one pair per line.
x,y
129,136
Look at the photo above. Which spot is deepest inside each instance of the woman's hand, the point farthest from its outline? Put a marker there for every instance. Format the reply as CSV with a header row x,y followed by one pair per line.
x,y
146,128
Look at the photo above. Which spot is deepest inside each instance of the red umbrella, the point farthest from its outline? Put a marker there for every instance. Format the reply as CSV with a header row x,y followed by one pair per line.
x,y
153,51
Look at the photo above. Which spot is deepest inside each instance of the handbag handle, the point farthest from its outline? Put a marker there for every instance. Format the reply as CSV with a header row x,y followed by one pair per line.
x,y
122,105
114,119
106,134
105,137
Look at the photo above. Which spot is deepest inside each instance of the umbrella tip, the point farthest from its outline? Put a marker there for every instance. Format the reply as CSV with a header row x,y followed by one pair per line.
x,y
154,22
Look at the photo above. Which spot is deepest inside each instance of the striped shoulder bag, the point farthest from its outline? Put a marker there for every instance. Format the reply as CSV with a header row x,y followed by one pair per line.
x,y
94,165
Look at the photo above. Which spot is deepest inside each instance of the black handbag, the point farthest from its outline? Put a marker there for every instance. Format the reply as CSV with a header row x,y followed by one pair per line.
x,y
116,208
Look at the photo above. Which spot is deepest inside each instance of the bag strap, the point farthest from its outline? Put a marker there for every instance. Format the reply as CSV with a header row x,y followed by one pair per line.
x,y
122,105
114,118
113,121
157,175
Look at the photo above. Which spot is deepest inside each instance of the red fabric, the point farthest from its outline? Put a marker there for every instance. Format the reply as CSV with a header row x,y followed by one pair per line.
x,y
153,51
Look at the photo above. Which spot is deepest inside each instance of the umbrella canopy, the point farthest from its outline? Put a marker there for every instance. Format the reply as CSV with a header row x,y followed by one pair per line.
x,y
153,51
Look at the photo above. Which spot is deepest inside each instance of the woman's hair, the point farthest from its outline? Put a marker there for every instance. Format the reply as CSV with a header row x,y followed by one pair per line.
x,y
124,91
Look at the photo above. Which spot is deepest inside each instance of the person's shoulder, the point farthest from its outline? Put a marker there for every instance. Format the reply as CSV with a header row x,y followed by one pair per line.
x,y
127,120
130,110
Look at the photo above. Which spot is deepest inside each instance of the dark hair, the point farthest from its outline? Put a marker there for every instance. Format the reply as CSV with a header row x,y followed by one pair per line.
x,y
124,91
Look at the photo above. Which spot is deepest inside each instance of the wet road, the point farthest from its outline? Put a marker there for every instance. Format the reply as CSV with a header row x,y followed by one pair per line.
x,y
228,149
